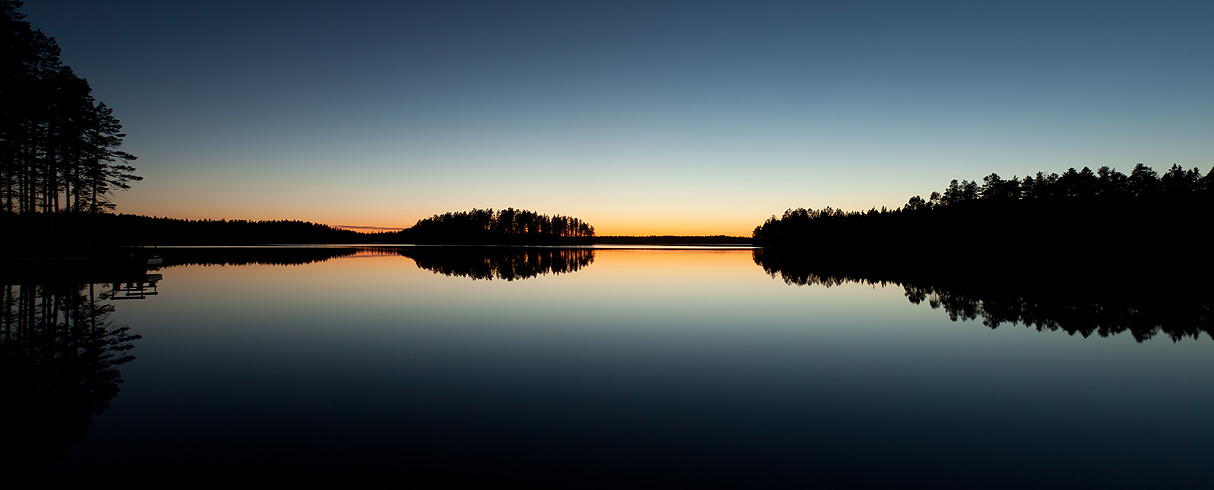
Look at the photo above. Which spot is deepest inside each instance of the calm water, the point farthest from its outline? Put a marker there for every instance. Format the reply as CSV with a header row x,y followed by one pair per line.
x,y
624,368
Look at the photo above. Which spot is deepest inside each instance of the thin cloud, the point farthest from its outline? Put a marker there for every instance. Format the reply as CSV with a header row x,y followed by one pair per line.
x,y
370,228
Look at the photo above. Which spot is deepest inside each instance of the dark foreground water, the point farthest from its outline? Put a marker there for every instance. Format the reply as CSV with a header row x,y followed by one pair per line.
x,y
612,368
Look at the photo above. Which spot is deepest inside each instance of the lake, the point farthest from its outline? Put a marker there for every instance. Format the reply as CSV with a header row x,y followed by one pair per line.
x,y
614,367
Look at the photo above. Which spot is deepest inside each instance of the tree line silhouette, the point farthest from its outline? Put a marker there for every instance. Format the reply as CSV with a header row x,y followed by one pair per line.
x,y
506,226
59,147
1073,190
100,234
1176,185
75,232
1083,222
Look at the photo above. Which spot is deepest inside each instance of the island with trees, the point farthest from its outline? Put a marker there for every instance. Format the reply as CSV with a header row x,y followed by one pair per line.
x,y
505,227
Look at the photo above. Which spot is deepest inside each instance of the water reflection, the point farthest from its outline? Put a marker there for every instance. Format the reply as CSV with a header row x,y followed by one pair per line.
x,y
656,368
60,353
1083,307
508,264
254,255
477,263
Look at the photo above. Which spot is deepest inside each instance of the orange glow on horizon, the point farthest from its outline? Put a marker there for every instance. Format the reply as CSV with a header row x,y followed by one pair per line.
x,y
616,226
672,231
627,226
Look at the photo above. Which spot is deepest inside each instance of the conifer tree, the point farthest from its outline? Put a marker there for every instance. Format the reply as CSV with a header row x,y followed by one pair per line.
x,y
59,147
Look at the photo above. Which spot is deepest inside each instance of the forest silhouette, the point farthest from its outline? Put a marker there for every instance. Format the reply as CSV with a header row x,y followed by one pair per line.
x,y
1076,197
59,147
506,226
73,231
1080,222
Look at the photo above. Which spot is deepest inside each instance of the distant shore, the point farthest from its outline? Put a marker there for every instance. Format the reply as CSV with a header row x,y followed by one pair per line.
x,y
718,240
91,235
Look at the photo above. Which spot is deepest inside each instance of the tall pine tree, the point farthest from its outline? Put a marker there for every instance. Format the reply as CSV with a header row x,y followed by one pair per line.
x,y
59,147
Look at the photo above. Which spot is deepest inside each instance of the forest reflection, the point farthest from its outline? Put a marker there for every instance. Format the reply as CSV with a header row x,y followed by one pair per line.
x,y
508,264
475,262
255,255
60,354
1094,306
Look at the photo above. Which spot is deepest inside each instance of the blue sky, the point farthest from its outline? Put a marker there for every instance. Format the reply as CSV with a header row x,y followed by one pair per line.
x,y
638,117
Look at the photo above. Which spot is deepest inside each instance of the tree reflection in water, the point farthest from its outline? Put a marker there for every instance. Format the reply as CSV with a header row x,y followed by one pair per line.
x,y
60,355
508,263
1051,301
267,255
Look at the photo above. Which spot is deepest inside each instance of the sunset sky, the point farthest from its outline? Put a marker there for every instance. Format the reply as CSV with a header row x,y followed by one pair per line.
x,y
695,117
